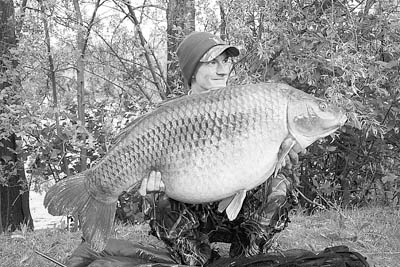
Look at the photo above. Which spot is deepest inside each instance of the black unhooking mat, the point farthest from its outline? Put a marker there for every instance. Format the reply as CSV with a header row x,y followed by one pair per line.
x,y
121,253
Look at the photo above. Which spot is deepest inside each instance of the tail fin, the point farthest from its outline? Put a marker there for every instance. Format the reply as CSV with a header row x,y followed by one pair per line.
x,y
70,196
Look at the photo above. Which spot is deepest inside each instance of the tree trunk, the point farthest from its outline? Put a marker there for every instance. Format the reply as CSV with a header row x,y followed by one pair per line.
x,y
80,80
52,77
222,26
14,190
82,38
14,196
180,22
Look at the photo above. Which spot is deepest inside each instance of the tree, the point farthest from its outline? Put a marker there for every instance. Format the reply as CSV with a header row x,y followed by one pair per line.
x,y
82,38
153,64
53,83
14,189
180,22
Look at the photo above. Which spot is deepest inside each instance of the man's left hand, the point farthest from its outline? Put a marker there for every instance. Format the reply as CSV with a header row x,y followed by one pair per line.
x,y
292,158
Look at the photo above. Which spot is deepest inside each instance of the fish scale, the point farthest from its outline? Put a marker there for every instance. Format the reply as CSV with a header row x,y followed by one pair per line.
x,y
208,147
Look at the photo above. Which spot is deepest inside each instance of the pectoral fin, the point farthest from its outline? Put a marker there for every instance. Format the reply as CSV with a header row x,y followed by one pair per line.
x,y
232,205
283,152
224,203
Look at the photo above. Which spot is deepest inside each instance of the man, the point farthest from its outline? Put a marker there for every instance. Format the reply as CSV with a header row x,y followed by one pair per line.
x,y
188,230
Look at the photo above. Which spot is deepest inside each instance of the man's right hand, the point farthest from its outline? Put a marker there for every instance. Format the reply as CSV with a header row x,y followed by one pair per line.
x,y
152,184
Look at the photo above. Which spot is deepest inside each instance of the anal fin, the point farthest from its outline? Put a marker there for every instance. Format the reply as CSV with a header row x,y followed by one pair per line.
x,y
232,205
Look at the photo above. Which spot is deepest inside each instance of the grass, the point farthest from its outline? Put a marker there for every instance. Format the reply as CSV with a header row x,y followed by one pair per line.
x,y
373,232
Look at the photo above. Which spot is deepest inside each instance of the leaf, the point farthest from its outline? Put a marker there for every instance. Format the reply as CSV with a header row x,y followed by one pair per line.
x,y
6,158
331,148
364,225
326,187
390,178
387,65
25,258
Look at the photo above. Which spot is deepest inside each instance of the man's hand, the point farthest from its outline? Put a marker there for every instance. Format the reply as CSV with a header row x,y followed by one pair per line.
x,y
152,184
292,158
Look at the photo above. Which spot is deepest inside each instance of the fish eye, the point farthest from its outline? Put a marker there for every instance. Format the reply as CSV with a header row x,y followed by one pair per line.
x,y
323,106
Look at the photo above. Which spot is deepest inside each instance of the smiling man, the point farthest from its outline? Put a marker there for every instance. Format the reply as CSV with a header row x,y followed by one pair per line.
x,y
205,61
211,74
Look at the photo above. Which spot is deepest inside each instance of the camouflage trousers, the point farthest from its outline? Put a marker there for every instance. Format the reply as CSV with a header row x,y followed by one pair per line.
x,y
188,230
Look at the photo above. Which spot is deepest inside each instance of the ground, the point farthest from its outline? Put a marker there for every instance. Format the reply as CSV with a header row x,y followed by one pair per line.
x,y
374,232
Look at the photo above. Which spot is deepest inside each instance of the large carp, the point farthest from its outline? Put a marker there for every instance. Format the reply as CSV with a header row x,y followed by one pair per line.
x,y
208,147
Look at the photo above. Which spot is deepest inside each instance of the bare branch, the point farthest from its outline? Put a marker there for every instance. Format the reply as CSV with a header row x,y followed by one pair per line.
x,y
90,25
123,63
132,17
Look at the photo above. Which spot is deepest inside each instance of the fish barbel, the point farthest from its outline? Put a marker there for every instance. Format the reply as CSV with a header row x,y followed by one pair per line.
x,y
212,146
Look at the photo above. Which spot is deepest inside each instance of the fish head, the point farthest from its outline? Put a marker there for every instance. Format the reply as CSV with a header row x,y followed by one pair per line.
x,y
311,118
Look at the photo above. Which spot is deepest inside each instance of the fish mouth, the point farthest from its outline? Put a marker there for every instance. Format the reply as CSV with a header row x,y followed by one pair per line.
x,y
341,122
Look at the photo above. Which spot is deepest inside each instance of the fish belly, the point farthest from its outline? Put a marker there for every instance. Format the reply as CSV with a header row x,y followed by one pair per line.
x,y
215,184
220,171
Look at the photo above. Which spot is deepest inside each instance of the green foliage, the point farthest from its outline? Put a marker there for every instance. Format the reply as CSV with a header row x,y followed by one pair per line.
x,y
332,49
116,76
328,48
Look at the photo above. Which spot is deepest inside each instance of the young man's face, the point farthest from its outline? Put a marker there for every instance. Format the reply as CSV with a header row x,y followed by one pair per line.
x,y
212,75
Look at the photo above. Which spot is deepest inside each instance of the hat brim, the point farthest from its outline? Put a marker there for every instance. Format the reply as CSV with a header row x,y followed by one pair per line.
x,y
217,50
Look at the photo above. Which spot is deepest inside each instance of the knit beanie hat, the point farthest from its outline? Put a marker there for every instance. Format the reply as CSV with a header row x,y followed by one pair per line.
x,y
200,46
